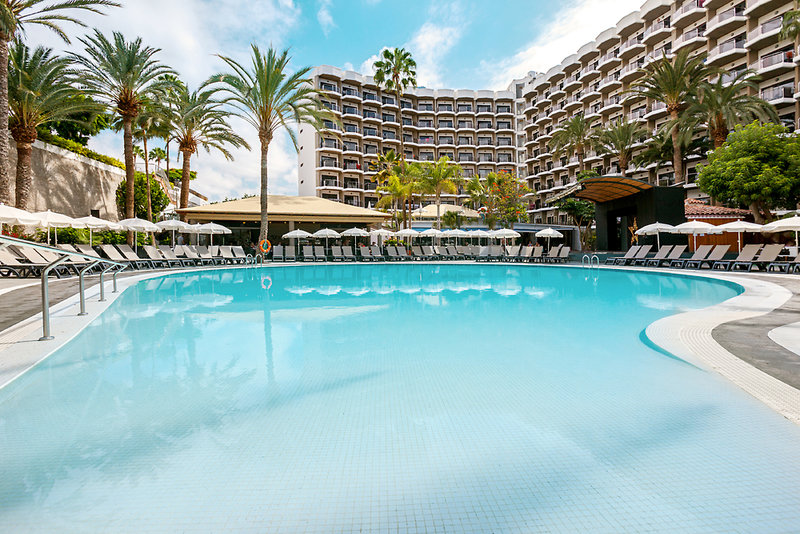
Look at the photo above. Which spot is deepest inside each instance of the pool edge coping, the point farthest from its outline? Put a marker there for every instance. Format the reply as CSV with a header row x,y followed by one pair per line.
x,y
687,335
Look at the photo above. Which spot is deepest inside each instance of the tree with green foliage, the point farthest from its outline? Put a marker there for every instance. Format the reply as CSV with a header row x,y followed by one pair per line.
x,y
81,125
159,199
582,214
440,177
658,148
201,122
619,140
574,139
790,29
506,199
758,167
479,192
123,75
452,219
15,17
395,191
721,105
674,82
40,90
158,155
395,72
270,99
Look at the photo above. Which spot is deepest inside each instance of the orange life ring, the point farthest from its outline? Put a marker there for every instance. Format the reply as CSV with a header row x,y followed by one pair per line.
x,y
261,246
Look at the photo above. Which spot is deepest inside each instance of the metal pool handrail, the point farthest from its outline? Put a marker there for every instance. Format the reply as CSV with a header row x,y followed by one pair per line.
x,y
63,256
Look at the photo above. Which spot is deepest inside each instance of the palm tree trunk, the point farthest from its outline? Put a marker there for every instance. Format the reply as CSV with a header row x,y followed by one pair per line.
x,y
677,153
438,210
23,186
130,170
623,165
149,198
186,176
720,135
5,178
264,232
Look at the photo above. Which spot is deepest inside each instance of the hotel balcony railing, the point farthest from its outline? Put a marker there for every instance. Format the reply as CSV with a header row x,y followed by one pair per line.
x,y
351,184
352,166
370,97
408,122
767,27
329,143
501,159
351,128
630,43
776,93
425,107
426,140
503,142
444,108
328,87
657,26
406,105
485,142
609,56
326,182
371,150
631,67
352,147
776,58
388,101
446,141
348,110
503,109
638,113
350,201
484,109
485,158
464,108
370,186
370,115
465,158
389,118
507,125
445,124
467,124
331,106
727,46
689,6
728,14
425,124
350,92
691,34
389,135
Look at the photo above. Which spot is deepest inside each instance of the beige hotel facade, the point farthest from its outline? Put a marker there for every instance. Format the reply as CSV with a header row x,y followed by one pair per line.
x,y
486,131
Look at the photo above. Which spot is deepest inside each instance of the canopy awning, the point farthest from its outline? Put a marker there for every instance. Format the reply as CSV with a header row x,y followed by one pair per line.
x,y
608,188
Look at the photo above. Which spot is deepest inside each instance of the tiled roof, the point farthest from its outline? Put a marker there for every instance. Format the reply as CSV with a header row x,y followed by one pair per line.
x,y
698,208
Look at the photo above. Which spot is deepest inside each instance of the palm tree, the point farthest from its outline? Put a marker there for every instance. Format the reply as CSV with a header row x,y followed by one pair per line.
x,y
171,85
124,76
619,140
396,72
674,82
791,23
658,148
725,103
158,155
440,177
15,16
480,195
41,91
200,121
269,98
394,191
574,139
151,122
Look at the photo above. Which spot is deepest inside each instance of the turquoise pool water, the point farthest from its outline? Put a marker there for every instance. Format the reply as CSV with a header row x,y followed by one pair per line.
x,y
391,398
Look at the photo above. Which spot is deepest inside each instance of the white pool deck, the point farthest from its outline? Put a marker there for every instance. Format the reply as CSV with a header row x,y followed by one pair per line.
x,y
686,335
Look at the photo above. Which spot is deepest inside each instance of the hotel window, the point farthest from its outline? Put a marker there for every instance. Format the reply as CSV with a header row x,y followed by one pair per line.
x,y
425,106
445,107
388,117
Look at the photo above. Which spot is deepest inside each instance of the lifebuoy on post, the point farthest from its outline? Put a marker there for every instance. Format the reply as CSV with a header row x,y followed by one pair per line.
x,y
265,250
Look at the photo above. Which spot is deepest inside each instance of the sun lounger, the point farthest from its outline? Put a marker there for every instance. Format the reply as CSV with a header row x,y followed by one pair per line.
x,y
277,253
563,255
375,252
131,255
113,254
158,259
700,254
512,253
660,255
11,265
308,253
193,255
347,252
483,254
363,253
674,254
641,254
205,254
525,254
336,253
716,255
787,266
417,254
552,256
495,253
618,260
465,251
403,253
391,253
767,255
239,252
748,253
170,255
289,254
319,253
430,254
452,253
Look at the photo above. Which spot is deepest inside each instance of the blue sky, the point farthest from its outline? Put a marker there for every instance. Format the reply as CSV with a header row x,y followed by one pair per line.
x,y
457,44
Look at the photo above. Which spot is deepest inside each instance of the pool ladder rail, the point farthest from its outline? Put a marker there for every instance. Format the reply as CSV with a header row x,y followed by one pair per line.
x,y
590,262
64,255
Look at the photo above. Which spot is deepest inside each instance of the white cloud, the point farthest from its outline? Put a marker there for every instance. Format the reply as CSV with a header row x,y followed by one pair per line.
x,y
189,33
348,66
367,67
573,28
429,46
324,17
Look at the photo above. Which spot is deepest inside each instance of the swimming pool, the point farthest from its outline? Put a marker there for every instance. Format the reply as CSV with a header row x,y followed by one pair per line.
x,y
411,398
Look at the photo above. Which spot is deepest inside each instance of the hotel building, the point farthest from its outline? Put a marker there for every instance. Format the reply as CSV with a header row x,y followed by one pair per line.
x,y
475,128
490,131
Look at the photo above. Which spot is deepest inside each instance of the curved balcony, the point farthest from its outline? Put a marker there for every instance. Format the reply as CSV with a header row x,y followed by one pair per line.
x,y
690,12
765,34
726,21
656,32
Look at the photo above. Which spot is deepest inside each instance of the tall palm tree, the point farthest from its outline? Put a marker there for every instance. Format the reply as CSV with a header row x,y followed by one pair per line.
x,y
41,90
15,16
396,71
619,140
158,155
658,148
168,95
124,76
151,122
480,195
200,121
574,139
440,177
791,23
721,105
269,98
674,82
394,191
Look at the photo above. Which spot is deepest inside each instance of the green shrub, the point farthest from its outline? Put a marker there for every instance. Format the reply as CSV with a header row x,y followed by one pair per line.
x,y
78,148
